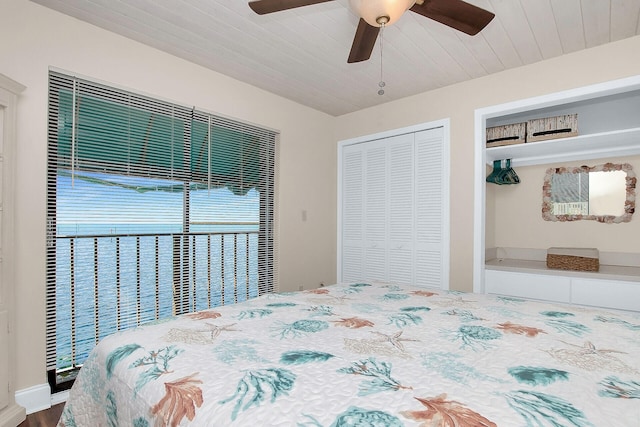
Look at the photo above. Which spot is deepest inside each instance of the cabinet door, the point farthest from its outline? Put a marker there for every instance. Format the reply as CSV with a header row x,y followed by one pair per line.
x,y
606,293
524,285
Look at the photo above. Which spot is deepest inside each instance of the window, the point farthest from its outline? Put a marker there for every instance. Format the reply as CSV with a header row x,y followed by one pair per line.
x,y
153,210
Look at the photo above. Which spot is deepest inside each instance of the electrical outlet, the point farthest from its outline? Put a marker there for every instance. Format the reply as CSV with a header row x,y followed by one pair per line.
x,y
301,288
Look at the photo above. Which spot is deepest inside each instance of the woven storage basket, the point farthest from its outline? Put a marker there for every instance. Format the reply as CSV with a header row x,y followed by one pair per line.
x,y
577,259
552,128
498,136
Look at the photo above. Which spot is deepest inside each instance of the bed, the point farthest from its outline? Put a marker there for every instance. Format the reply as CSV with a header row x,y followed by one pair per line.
x,y
368,355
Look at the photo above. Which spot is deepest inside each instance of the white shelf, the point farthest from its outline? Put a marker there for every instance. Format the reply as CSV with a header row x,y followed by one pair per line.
x,y
583,147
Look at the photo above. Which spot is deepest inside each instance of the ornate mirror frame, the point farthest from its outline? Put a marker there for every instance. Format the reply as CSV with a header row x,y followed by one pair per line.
x,y
629,205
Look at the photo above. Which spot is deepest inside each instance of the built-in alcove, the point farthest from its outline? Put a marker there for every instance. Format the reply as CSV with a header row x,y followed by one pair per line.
x,y
510,216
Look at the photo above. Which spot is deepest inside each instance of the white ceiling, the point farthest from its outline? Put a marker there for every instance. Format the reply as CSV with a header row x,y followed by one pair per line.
x,y
301,54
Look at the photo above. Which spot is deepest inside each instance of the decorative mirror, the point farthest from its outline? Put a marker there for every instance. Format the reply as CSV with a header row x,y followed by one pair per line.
x,y
605,193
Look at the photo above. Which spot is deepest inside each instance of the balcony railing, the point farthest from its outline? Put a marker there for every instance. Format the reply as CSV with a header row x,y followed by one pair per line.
x,y
110,282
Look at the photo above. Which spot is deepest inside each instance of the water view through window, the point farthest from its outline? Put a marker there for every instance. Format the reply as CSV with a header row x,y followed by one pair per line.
x,y
131,250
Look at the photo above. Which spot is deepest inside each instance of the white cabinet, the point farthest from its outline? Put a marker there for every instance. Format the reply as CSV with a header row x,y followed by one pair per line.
x,y
393,209
526,285
10,413
606,293
616,294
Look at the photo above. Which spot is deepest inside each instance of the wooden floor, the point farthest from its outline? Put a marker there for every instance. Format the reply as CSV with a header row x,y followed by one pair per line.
x,y
47,418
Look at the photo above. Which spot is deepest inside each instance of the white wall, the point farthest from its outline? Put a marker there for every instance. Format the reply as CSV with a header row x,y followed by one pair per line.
x,y
458,102
518,211
33,38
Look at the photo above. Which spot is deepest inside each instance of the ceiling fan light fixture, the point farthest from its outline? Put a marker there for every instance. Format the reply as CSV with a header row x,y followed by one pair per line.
x,y
381,12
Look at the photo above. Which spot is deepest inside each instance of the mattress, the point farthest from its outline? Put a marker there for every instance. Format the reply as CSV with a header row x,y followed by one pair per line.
x,y
368,355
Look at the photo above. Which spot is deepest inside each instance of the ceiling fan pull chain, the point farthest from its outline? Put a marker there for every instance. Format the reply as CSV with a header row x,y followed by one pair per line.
x,y
381,84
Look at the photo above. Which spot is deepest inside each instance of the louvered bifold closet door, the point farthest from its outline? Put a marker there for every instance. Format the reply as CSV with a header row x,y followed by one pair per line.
x,y
375,211
393,209
400,209
430,185
352,214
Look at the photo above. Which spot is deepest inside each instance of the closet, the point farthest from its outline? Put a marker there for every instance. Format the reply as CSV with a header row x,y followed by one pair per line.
x,y
393,207
609,126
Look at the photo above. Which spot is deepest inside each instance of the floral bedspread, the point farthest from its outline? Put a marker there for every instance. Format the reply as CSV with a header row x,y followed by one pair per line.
x,y
368,355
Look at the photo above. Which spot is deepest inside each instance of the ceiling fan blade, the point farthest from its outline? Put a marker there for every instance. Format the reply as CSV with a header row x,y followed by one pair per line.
x,y
456,14
262,7
363,42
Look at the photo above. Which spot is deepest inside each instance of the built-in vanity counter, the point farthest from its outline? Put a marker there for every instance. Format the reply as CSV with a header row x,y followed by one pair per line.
x,y
523,273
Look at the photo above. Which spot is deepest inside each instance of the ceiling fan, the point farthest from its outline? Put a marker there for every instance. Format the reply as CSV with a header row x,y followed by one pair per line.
x,y
374,14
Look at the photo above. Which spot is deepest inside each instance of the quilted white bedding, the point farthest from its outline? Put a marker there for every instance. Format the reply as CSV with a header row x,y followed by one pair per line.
x,y
368,355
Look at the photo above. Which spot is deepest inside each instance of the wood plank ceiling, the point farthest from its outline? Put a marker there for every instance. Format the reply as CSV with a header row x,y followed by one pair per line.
x,y
301,54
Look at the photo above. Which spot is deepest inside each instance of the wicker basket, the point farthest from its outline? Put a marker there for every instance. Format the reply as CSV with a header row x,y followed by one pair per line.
x,y
498,136
552,128
577,259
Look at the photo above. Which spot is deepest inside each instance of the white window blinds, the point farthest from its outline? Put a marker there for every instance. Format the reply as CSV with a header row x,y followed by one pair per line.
x,y
153,209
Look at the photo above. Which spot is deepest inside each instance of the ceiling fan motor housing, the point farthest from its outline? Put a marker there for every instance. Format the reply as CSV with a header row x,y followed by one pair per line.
x,y
380,12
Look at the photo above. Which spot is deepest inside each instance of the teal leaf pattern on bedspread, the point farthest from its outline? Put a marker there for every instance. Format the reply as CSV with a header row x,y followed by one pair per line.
x,y
232,351
67,419
281,304
510,300
300,327
158,365
615,387
476,336
537,376
628,325
380,374
418,309
358,417
254,313
394,297
449,366
568,326
308,421
255,387
321,310
117,355
402,320
540,409
301,357
111,409
557,314
464,315
140,422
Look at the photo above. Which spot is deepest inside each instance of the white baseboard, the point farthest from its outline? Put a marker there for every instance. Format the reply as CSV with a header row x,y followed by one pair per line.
x,y
34,399
59,397
12,416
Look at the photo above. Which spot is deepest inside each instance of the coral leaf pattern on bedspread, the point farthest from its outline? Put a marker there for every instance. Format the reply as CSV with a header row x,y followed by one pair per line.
x,y
368,354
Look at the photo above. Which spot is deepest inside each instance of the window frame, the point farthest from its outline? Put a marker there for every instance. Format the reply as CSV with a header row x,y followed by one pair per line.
x,y
266,143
